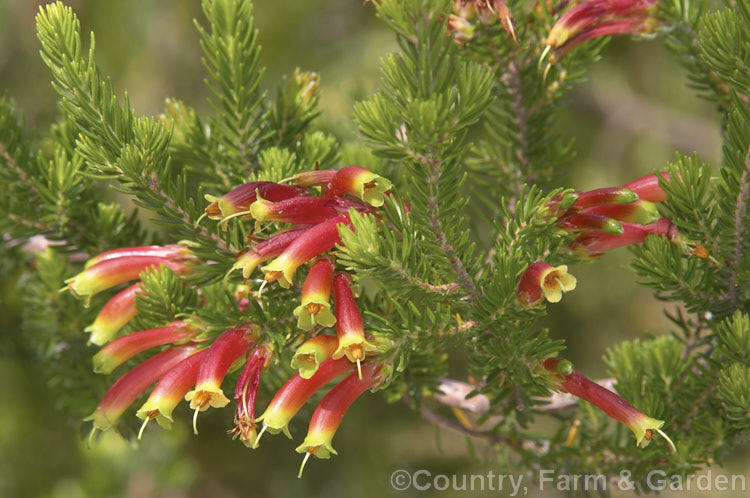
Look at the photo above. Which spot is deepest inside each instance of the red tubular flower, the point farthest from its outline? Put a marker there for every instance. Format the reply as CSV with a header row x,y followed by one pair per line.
x,y
113,316
173,252
237,202
245,395
169,391
268,249
601,196
586,15
314,178
297,210
647,187
128,387
588,220
294,394
596,243
118,352
313,353
225,350
360,182
640,211
314,242
316,292
110,272
331,410
572,381
349,327
629,26
542,280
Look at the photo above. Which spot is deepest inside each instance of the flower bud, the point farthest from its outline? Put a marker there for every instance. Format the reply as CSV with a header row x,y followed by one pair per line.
x,y
596,243
589,220
237,202
297,210
641,212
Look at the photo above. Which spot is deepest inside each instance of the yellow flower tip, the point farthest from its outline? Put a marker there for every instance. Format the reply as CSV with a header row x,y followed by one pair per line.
x,y
645,428
373,190
556,281
314,313
201,399
260,209
306,363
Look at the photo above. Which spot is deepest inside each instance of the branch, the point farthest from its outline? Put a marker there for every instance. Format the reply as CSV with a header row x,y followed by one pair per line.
x,y
740,212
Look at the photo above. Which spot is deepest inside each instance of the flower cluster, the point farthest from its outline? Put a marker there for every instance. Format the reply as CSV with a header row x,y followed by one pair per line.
x,y
608,218
196,360
591,19
567,379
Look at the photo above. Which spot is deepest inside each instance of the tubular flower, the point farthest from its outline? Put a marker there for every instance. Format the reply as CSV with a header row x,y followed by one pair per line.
x,y
225,350
173,252
263,251
110,272
596,243
361,183
542,280
297,210
632,26
245,395
647,187
128,387
316,292
113,316
602,196
572,381
640,211
169,391
118,352
588,220
331,410
588,20
315,241
314,178
294,394
312,353
349,327
237,202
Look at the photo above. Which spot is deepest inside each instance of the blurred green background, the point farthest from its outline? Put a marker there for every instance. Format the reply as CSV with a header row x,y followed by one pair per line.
x,y
628,120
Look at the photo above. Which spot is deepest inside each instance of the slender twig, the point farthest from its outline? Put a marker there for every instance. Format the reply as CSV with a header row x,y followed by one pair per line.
x,y
740,211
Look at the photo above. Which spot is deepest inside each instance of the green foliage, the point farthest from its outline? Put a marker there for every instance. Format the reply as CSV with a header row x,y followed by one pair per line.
x,y
467,133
